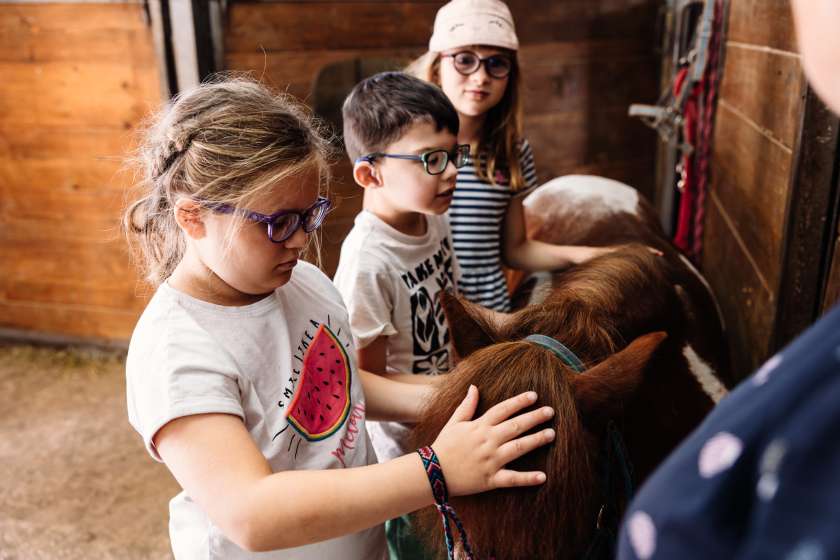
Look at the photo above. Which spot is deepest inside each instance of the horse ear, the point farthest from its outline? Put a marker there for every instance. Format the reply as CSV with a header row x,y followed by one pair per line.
x,y
471,326
602,390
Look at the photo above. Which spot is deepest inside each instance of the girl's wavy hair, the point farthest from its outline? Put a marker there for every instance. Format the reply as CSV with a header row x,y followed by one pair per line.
x,y
227,140
500,141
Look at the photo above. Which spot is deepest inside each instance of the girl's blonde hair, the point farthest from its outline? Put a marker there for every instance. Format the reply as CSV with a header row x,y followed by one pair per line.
x,y
500,141
227,141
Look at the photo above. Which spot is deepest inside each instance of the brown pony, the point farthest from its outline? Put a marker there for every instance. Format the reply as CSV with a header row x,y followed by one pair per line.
x,y
635,320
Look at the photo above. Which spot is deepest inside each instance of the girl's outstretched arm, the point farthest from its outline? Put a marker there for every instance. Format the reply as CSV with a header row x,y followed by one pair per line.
x,y
526,254
217,463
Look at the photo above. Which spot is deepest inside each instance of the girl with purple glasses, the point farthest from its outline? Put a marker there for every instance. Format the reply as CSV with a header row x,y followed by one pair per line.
x,y
241,372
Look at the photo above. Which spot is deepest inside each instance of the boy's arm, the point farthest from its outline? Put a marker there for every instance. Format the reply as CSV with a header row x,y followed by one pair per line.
x,y
389,399
373,358
398,397
214,459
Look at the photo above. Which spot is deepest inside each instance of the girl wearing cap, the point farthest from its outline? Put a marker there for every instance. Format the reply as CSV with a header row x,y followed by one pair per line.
x,y
472,57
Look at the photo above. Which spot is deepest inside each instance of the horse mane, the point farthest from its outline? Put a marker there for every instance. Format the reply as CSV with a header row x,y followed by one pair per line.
x,y
530,522
597,307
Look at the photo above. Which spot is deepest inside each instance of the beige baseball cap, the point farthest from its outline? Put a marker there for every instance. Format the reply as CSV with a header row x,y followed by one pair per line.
x,y
473,22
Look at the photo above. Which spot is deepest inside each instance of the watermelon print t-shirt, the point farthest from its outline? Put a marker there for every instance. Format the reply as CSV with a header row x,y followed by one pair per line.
x,y
477,216
285,365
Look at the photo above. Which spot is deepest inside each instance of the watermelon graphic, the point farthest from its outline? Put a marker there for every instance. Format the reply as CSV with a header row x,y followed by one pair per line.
x,y
322,400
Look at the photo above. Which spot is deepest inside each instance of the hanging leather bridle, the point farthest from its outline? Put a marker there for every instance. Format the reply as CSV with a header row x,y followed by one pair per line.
x,y
684,119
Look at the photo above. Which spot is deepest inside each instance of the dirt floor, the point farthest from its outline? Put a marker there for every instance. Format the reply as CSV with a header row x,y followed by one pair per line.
x,y
75,481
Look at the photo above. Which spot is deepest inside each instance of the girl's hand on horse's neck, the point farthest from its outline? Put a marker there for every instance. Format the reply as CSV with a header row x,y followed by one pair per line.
x,y
470,130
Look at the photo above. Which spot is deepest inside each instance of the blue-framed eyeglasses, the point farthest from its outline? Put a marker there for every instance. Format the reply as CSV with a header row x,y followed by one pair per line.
x,y
282,224
434,161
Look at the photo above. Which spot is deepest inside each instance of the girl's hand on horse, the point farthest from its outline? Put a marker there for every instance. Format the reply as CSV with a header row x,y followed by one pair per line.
x,y
473,453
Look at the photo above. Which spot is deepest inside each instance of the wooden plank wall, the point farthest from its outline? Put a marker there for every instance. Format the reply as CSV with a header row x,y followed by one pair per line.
x,y
584,62
759,117
77,78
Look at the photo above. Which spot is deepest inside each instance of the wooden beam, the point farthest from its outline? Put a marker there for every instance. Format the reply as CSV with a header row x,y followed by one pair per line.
x,y
158,11
188,39
831,282
809,230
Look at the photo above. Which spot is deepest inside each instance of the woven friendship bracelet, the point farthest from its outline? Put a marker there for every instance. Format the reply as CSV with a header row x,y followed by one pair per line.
x,y
434,473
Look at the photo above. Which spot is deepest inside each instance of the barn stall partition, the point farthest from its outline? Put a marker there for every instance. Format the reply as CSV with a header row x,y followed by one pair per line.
x,y
771,214
78,78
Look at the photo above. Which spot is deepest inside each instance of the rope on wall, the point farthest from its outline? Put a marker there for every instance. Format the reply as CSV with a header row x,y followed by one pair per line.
x,y
684,118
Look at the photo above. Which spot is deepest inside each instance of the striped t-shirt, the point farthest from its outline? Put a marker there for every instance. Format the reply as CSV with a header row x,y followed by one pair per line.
x,y
477,214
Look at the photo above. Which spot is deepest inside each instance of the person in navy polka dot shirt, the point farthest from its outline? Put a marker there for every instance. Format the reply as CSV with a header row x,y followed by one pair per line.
x,y
760,478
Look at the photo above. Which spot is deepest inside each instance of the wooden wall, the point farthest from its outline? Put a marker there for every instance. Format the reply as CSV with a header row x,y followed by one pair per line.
x,y
584,62
772,153
77,78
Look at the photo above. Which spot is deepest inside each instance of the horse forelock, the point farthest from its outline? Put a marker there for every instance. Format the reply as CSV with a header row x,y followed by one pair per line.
x,y
501,523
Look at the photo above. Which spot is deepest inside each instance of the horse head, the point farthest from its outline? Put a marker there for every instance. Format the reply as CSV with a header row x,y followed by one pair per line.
x,y
615,314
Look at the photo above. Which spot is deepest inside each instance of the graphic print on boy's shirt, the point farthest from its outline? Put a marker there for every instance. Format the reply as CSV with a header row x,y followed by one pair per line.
x,y
430,334
317,399
391,282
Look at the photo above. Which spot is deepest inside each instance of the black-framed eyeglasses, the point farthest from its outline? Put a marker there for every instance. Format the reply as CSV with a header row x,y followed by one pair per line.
x,y
468,62
434,161
282,224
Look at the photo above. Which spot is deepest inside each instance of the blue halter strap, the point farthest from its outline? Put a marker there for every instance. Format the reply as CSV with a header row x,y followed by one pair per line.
x,y
559,349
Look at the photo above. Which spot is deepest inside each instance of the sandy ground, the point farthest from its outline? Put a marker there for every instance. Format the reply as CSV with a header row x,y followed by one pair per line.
x,y
75,481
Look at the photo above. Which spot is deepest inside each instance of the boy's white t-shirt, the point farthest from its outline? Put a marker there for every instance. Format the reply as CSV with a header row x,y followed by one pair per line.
x,y
390,282
189,357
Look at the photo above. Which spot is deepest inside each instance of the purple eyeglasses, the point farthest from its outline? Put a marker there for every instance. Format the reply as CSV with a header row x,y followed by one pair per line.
x,y
283,224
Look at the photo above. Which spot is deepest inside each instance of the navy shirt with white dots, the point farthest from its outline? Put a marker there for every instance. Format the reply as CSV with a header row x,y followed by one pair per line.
x,y
760,477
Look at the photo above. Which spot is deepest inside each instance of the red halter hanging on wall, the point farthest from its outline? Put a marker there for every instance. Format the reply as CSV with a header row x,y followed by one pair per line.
x,y
698,124
684,118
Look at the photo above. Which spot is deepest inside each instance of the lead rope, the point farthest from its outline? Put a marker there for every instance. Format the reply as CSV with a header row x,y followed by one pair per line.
x,y
434,473
614,450
706,127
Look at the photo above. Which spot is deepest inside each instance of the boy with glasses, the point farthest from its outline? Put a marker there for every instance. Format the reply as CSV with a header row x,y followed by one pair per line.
x,y
400,132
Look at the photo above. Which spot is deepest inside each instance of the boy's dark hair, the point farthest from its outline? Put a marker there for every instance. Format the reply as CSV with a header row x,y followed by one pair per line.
x,y
379,109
